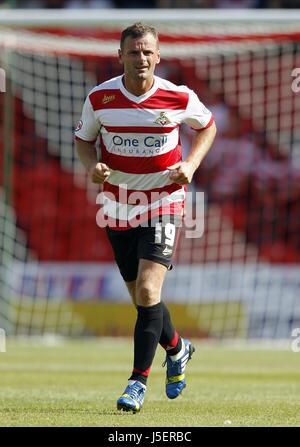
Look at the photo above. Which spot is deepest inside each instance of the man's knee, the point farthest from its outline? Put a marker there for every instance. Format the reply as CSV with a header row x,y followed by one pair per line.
x,y
147,294
131,286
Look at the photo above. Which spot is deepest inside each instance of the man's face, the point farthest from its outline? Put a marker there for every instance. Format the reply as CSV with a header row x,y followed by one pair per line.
x,y
139,57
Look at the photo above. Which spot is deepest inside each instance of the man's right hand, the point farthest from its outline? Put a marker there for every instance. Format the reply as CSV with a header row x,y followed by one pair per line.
x,y
99,172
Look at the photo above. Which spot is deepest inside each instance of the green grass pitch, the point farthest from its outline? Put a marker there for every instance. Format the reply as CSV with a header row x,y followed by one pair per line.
x,y
77,383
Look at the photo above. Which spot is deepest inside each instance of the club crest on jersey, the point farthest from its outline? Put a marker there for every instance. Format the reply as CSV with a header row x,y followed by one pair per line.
x,y
162,119
108,98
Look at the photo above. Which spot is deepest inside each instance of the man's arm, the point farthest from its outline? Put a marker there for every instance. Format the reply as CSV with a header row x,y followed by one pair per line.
x,y
183,171
98,172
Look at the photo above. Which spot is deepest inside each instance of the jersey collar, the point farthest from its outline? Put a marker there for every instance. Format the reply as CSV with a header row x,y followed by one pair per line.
x,y
138,99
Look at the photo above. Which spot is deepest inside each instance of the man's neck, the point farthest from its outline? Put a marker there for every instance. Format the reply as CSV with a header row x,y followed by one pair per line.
x,y
138,88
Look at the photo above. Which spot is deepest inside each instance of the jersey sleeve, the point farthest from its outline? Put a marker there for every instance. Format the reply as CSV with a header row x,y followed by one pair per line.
x,y
197,116
88,127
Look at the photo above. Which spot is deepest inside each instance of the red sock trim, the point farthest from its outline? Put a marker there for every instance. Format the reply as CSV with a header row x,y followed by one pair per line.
x,y
173,343
144,373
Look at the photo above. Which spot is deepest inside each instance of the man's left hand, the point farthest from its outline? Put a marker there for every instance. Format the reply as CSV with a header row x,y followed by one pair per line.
x,y
182,172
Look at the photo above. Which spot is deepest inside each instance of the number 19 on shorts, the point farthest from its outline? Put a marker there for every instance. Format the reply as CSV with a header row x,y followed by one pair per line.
x,y
165,234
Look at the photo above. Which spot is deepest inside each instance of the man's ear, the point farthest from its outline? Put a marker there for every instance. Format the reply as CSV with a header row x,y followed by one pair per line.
x,y
120,56
158,57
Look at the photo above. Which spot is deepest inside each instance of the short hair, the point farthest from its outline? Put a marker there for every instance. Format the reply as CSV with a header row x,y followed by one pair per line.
x,y
137,30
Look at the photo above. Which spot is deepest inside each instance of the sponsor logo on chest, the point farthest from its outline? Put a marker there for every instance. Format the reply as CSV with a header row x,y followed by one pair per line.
x,y
149,141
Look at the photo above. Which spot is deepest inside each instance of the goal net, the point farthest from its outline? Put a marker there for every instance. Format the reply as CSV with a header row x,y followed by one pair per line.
x,y
241,278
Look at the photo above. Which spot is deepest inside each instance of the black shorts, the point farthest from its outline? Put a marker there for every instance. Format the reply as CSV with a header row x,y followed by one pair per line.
x,y
156,243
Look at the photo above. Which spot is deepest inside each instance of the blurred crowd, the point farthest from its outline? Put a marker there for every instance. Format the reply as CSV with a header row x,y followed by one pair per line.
x,y
225,4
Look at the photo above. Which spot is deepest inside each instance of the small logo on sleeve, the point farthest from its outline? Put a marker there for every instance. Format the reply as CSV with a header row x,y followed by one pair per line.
x,y
79,126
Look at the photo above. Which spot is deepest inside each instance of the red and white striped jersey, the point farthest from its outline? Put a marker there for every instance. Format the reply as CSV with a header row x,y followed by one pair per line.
x,y
139,139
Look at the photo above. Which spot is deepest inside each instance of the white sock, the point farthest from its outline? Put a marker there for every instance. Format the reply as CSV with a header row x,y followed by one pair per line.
x,y
179,354
131,382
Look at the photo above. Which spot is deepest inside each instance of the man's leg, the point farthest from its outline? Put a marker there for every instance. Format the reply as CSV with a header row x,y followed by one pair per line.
x,y
169,338
143,262
177,355
147,332
149,322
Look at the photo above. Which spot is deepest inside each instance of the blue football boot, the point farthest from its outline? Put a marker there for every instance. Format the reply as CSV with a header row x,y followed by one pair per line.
x,y
175,380
133,397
